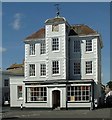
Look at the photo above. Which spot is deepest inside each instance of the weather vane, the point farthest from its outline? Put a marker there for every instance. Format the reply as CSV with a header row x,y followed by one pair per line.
x,y
58,11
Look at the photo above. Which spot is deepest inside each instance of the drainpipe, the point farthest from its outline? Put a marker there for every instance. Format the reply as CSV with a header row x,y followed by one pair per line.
x,y
66,96
92,96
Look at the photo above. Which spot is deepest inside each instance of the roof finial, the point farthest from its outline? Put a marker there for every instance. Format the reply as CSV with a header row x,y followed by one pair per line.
x,y
58,11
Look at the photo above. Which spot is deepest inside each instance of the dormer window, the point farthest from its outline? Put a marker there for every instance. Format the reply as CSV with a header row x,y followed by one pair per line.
x,y
55,27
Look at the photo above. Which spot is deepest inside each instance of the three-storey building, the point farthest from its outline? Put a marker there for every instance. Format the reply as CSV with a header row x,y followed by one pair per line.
x,y
62,66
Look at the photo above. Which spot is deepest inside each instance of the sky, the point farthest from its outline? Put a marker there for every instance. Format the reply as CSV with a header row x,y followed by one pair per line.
x,y
20,19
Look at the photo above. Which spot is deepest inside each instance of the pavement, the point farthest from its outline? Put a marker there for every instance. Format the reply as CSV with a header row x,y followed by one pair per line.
x,y
103,113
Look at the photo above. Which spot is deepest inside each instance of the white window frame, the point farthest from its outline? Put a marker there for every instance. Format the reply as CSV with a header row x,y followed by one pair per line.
x,y
77,46
56,68
32,74
89,46
42,48
19,92
88,73
54,46
34,94
32,49
42,70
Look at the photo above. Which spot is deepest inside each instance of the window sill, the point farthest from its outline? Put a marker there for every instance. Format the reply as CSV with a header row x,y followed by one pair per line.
x,y
53,75
43,76
43,54
32,76
55,51
89,74
20,99
87,52
32,55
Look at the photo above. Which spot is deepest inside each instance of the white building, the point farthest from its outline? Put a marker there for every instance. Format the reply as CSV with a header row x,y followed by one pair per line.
x,y
62,67
13,70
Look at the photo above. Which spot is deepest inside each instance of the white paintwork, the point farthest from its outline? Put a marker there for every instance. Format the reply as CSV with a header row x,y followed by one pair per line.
x,y
66,57
14,82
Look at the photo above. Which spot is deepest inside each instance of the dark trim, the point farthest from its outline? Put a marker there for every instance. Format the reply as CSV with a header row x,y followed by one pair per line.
x,y
66,96
26,95
37,102
76,108
30,108
52,82
93,95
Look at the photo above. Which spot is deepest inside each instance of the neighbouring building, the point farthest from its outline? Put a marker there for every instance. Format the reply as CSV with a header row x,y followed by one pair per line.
x,y
4,87
62,67
14,70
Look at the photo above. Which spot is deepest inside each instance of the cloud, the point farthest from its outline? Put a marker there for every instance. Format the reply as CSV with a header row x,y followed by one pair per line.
x,y
16,24
2,49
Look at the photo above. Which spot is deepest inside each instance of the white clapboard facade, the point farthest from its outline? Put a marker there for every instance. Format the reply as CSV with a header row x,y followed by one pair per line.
x,y
62,67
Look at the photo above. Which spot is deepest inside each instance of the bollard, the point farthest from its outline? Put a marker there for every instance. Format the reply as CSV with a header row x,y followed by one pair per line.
x,y
21,106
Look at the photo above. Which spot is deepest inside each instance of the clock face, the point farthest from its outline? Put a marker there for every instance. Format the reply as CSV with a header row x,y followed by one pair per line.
x,y
55,27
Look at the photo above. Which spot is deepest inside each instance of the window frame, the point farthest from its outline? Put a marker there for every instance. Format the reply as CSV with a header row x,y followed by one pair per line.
x,y
90,68
19,92
43,70
32,49
76,71
77,94
6,82
55,47
77,46
56,68
87,46
32,74
42,48
36,94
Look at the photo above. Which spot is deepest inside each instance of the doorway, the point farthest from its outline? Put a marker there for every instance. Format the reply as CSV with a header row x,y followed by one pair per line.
x,y
55,99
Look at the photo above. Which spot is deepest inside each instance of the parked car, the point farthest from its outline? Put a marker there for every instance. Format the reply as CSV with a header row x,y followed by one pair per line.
x,y
101,102
109,101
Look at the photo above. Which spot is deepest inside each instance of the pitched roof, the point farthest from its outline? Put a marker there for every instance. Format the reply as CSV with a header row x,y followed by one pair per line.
x,y
16,69
14,66
75,30
39,34
82,30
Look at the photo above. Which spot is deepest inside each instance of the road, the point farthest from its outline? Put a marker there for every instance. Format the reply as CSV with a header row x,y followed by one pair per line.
x,y
104,113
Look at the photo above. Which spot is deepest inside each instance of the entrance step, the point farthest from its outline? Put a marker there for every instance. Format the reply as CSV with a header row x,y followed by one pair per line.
x,y
58,108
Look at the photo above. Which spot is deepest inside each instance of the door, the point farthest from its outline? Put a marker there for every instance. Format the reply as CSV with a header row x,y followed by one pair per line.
x,y
55,99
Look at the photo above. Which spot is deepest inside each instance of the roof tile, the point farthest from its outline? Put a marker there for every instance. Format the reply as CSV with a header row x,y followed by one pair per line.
x,y
39,34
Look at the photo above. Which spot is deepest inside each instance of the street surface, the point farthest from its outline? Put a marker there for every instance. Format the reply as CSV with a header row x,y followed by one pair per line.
x,y
103,113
